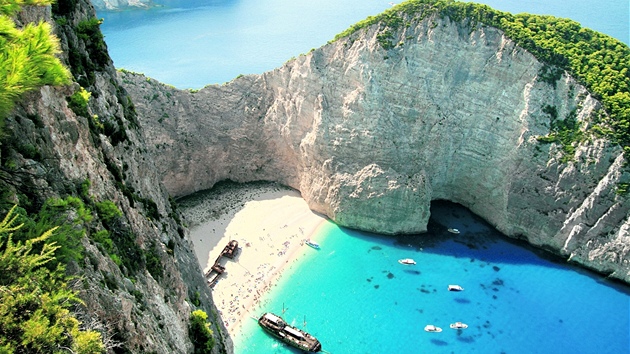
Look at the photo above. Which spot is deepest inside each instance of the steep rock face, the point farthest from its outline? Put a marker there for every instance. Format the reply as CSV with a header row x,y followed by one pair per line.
x,y
371,135
144,308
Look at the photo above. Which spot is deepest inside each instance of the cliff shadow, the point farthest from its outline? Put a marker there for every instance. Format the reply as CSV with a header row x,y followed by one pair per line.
x,y
478,241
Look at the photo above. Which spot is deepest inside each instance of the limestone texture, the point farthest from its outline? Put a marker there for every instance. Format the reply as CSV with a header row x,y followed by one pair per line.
x,y
370,134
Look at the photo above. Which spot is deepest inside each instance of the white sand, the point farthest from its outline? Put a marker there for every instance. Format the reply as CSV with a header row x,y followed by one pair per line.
x,y
270,224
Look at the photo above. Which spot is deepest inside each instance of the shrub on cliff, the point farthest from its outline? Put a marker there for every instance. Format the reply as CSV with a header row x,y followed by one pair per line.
x,y
108,211
35,300
200,333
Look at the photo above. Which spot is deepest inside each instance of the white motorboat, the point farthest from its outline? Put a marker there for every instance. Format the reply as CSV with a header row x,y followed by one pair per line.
x,y
432,328
453,231
459,325
408,261
313,244
454,287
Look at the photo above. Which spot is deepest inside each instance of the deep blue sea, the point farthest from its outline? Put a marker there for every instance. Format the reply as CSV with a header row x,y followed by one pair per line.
x,y
353,293
193,43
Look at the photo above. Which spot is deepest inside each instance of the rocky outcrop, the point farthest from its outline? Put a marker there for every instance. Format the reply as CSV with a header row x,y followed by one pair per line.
x,y
370,136
141,303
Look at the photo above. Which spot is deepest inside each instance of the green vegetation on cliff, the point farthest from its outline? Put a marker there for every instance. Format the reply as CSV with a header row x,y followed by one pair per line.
x,y
35,299
200,333
598,61
27,56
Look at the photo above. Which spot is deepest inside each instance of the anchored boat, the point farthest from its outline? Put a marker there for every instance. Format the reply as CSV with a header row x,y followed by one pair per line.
x,y
294,337
459,325
455,287
313,244
432,328
408,261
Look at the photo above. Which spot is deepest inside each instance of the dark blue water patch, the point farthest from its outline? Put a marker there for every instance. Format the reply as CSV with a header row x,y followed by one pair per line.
x,y
496,269
474,238
465,339
461,300
413,272
390,275
376,286
369,280
427,289
375,248
439,342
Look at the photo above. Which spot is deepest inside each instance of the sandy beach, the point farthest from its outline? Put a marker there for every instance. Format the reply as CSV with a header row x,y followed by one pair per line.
x,y
270,223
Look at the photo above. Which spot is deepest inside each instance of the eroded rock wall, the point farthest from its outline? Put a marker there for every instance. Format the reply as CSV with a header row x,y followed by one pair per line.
x,y
49,150
370,136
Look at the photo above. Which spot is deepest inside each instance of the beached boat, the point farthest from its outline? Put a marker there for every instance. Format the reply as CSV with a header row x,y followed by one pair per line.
x,y
292,336
230,249
432,328
459,325
406,261
453,287
313,244
453,231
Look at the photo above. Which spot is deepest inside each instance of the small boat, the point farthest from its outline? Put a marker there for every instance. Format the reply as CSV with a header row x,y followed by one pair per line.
x,y
406,261
292,336
432,328
453,287
459,325
313,244
453,231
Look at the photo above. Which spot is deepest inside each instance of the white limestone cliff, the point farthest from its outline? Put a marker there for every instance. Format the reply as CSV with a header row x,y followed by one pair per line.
x,y
371,136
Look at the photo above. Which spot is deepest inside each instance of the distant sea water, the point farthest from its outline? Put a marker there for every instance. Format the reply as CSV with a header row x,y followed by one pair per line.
x,y
193,43
353,294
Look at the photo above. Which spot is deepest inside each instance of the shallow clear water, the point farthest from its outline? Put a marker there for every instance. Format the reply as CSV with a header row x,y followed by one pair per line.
x,y
193,43
357,298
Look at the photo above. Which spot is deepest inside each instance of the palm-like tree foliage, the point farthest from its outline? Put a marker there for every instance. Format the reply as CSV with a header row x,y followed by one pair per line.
x,y
27,56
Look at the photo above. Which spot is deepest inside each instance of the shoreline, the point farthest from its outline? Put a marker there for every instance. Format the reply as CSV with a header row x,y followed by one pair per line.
x,y
270,223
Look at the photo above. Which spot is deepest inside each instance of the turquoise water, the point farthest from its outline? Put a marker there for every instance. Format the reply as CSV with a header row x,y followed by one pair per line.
x,y
357,298
193,43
